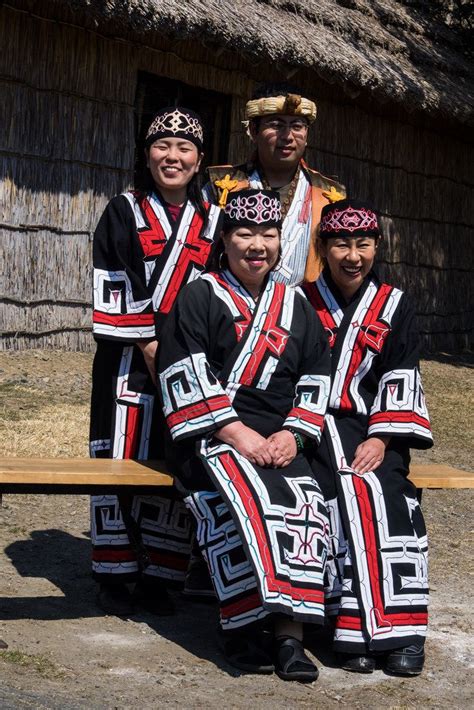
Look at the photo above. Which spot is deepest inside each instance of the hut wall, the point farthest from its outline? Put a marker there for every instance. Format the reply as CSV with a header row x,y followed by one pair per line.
x,y
68,107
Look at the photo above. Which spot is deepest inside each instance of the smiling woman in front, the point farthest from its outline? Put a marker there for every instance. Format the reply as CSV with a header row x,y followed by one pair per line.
x,y
378,589
244,375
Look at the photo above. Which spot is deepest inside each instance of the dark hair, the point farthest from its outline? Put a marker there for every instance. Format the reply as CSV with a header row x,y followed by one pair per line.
x,y
273,88
145,183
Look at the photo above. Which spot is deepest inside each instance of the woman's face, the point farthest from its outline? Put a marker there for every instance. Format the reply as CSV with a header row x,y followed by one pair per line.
x,y
349,261
173,162
252,252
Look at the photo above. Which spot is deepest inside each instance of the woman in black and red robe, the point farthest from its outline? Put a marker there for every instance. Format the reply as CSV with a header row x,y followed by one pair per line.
x,y
244,377
147,246
378,571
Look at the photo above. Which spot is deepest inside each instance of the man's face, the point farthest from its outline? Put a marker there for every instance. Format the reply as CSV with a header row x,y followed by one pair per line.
x,y
280,140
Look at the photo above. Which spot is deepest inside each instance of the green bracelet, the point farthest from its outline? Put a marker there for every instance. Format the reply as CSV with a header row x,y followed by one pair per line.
x,y
299,440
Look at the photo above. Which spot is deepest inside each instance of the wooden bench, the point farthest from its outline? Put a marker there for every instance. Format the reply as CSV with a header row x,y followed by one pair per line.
x,y
74,476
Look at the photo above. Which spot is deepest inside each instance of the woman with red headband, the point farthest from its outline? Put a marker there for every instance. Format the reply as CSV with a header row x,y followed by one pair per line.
x,y
378,584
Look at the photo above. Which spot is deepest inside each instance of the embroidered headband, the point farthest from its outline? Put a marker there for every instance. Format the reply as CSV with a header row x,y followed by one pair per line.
x,y
289,105
252,208
349,218
176,122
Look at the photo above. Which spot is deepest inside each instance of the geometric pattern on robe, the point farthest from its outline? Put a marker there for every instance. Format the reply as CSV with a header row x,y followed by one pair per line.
x,y
377,574
263,531
142,258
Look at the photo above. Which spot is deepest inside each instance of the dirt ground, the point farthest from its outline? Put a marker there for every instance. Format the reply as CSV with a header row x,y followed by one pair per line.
x,y
63,653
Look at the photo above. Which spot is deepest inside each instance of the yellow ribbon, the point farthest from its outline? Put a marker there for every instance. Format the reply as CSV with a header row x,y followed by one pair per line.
x,y
333,195
225,186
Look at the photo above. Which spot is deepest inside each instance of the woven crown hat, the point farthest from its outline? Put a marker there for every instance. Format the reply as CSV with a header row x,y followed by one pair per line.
x,y
252,208
349,218
176,122
288,105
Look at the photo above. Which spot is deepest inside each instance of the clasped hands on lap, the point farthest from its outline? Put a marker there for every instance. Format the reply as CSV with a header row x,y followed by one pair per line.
x,y
276,451
279,449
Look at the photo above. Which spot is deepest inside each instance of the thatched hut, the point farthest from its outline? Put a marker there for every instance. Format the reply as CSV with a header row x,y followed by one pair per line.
x,y
393,83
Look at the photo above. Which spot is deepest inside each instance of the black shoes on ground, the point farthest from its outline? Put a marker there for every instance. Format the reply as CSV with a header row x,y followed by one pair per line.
x,y
355,663
245,652
286,657
198,583
406,661
152,595
149,594
292,663
115,599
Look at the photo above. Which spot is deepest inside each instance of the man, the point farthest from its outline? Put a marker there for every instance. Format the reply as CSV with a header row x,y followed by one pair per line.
x,y
278,120
278,124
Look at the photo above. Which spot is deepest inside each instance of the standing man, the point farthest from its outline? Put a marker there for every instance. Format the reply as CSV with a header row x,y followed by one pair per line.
x,y
278,123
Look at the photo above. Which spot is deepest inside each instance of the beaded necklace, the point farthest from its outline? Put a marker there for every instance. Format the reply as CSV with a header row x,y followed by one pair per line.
x,y
288,199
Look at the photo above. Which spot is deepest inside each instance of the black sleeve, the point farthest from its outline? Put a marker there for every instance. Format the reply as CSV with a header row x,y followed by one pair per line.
x,y
194,402
399,408
122,306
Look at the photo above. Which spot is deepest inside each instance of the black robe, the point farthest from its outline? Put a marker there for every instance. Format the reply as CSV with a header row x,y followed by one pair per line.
x,y
142,258
225,358
377,583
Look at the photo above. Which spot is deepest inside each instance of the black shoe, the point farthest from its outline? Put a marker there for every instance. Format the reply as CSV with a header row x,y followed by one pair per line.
x,y
356,663
198,583
245,652
408,660
152,595
115,599
292,663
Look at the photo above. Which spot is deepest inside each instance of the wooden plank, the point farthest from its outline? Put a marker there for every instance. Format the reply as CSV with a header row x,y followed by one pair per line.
x,y
125,472
90,472
440,476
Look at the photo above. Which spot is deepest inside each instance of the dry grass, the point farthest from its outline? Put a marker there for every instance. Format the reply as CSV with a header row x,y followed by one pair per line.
x,y
450,397
35,662
44,403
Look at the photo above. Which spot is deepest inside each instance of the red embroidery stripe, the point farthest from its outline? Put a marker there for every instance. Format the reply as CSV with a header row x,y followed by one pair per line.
x,y
153,240
355,623
197,254
371,316
124,320
319,305
365,510
246,497
305,416
131,432
169,560
263,342
197,410
349,622
402,417
253,601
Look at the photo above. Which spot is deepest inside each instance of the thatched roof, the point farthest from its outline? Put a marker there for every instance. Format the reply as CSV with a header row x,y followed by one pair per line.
x,y
402,52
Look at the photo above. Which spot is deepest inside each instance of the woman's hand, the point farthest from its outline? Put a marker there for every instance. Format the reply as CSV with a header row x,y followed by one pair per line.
x,y
283,448
370,454
149,349
248,442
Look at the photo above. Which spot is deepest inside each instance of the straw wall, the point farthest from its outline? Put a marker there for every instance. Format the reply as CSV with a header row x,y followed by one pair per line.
x,y
70,146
